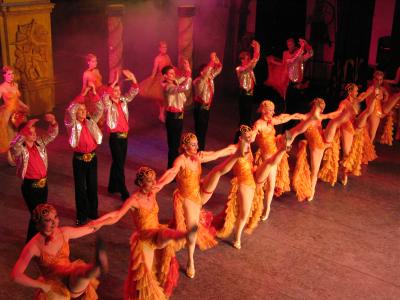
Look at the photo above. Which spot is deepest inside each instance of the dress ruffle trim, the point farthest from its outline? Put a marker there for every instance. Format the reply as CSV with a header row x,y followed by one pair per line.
x,y
330,165
205,233
369,153
301,180
387,134
352,163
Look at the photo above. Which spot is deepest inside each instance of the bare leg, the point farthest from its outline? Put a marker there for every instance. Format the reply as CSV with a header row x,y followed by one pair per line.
x,y
269,193
388,106
347,140
210,182
264,169
167,235
373,123
246,195
148,254
316,158
79,281
333,125
192,214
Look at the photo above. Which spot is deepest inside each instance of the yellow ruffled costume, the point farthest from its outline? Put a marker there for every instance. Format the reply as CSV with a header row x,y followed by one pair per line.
x,y
387,134
369,153
267,146
157,283
188,182
243,170
352,163
301,180
330,162
7,132
56,270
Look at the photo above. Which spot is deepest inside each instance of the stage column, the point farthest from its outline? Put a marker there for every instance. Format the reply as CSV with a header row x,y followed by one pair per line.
x,y
26,45
115,14
185,32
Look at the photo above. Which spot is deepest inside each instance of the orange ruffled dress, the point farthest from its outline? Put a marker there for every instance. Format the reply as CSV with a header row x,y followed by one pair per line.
x,y
188,182
387,134
56,270
7,132
329,170
267,146
142,283
302,175
226,220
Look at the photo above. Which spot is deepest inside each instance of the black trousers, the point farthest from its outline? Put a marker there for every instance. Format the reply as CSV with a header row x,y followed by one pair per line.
x,y
201,116
85,179
33,196
245,109
116,182
174,126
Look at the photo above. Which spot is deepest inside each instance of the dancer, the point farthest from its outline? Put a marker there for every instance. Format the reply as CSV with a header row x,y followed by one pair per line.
x,y
245,201
84,136
153,268
247,81
92,77
12,112
203,97
29,151
278,180
393,88
192,192
381,96
304,181
286,76
60,278
175,99
117,120
151,87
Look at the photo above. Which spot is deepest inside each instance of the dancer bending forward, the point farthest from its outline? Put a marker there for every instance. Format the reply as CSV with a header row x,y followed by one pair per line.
x,y
60,278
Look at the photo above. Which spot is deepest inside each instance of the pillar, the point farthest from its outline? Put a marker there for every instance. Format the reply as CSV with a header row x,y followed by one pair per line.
x,y
185,32
115,14
25,29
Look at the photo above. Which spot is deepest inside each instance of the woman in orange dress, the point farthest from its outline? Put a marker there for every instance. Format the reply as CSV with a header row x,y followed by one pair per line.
x,y
304,180
61,279
151,87
193,192
278,180
92,78
245,201
12,112
152,246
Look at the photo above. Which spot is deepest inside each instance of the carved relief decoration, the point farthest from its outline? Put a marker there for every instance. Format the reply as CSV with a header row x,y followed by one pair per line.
x,y
31,51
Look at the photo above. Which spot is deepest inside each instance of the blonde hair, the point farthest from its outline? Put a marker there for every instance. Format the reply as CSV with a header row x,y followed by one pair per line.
x,y
90,56
42,211
268,104
143,173
319,102
185,140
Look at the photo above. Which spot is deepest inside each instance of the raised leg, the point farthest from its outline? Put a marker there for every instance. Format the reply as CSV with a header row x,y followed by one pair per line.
x,y
269,192
316,158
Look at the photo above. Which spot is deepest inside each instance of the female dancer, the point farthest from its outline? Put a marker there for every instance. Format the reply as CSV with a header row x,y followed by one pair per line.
x,y
151,87
304,182
245,200
192,192
60,278
278,179
380,96
150,236
93,79
12,112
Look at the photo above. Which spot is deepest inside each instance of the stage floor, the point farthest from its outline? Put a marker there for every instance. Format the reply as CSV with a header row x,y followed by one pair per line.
x,y
343,245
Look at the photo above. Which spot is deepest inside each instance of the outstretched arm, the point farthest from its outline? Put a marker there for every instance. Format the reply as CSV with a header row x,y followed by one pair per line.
x,y
170,174
18,272
206,156
396,80
364,95
284,118
116,215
